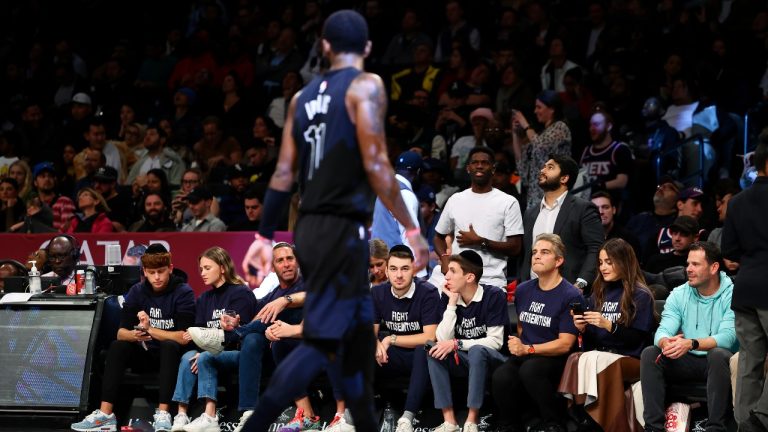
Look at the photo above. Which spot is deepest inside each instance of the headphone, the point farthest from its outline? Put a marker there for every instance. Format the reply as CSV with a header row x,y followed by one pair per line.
x,y
72,241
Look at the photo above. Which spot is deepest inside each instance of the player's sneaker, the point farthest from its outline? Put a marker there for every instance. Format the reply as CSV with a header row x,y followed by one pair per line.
x,y
162,421
243,418
209,339
96,421
179,421
300,423
404,425
339,424
204,423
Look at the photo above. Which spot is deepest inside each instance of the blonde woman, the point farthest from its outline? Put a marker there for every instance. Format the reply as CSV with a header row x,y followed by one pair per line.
x,y
22,173
93,214
228,296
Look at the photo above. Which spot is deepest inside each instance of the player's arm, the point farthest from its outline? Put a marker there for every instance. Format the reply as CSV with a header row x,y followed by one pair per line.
x,y
279,192
367,105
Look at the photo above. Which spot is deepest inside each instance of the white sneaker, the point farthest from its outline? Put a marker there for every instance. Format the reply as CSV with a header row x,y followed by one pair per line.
x,y
162,421
209,339
470,427
404,425
244,418
204,423
179,421
339,424
447,427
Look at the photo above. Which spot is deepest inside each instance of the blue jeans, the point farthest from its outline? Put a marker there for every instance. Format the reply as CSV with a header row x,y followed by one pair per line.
x,y
476,363
207,379
252,347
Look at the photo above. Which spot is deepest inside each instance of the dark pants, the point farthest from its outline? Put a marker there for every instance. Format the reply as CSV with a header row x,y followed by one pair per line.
x,y
525,385
712,368
164,359
413,364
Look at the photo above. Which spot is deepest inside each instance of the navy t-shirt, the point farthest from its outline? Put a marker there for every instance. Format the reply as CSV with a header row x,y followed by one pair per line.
x,y
599,338
473,320
288,315
212,304
406,316
543,315
172,309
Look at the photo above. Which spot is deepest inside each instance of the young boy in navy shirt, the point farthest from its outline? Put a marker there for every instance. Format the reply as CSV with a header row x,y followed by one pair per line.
x,y
527,382
154,317
408,310
469,338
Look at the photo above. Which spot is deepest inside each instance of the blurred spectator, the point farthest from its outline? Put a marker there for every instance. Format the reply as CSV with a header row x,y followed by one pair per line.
x,y
62,207
533,149
259,165
96,136
231,208
10,268
377,269
197,65
12,208
38,219
216,150
684,231
434,173
607,208
235,112
93,159
73,127
92,217
458,31
725,190
272,67
265,129
553,71
401,48
21,172
384,225
683,104
158,156
7,154
34,132
514,92
62,254
429,215
647,224
480,119
453,116
155,217
199,200
252,203
118,200
421,74
132,145
278,108
607,161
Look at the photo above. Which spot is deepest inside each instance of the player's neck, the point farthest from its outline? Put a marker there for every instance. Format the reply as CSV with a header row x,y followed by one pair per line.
x,y
345,60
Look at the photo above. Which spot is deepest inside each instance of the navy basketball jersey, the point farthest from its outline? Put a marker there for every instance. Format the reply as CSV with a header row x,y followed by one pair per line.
x,y
331,175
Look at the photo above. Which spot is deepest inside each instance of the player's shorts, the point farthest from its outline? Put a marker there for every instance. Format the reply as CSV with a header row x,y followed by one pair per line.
x,y
333,257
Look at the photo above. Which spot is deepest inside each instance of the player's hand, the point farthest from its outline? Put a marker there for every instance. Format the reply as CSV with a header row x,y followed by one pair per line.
x,y
420,250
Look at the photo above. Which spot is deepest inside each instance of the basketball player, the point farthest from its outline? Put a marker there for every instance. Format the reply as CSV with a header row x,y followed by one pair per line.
x,y
334,137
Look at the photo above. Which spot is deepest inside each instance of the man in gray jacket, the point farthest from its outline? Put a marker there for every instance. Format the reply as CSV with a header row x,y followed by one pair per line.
x,y
158,156
203,220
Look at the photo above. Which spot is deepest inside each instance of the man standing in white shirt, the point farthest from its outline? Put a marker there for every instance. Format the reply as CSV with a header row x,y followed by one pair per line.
x,y
483,219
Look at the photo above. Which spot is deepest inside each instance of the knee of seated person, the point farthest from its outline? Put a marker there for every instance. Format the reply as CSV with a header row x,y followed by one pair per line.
x,y
252,340
204,357
478,352
719,354
650,353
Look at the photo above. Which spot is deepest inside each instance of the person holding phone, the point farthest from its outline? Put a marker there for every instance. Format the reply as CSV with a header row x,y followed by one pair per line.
x,y
614,328
525,386
156,313
228,297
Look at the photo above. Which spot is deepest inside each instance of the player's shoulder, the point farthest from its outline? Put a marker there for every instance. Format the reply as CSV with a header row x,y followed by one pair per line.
x,y
366,83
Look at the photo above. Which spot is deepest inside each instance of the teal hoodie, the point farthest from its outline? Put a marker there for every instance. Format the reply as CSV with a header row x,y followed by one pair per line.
x,y
697,317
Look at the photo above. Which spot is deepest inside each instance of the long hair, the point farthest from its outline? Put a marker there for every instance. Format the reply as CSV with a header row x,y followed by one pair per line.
x,y
625,264
101,203
222,258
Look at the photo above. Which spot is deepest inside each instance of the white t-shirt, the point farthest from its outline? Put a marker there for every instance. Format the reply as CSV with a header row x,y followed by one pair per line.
x,y
494,215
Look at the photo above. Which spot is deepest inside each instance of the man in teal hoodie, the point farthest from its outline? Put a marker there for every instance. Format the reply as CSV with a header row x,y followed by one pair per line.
x,y
694,341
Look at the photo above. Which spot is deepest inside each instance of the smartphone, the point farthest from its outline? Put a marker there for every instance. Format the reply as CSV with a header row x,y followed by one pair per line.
x,y
140,328
577,308
429,344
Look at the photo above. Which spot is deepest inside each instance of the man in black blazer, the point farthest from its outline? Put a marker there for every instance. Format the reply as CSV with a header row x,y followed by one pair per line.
x,y
574,219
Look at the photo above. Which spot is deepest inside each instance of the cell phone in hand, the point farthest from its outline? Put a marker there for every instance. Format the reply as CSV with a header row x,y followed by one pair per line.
x,y
140,328
577,308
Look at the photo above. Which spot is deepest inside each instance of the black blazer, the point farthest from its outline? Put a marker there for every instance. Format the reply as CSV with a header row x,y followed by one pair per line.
x,y
578,225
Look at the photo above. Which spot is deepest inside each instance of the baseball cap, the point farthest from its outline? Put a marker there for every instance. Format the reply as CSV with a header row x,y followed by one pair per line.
x,y
408,160
671,180
485,113
81,98
691,192
41,167
198,194
105,173
685,225
425,194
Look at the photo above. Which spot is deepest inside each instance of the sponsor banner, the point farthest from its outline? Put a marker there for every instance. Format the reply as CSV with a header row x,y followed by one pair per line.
x,y
185,248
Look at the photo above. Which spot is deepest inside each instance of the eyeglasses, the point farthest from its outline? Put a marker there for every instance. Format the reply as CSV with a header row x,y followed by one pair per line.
x,y
190,181
58,258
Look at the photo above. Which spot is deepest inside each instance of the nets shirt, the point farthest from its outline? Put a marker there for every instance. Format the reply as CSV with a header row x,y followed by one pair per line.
x,y
331,175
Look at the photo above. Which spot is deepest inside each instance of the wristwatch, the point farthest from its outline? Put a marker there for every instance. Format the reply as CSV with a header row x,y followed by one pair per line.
x,y
392,339
531,349
288,298
459,344
694,344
